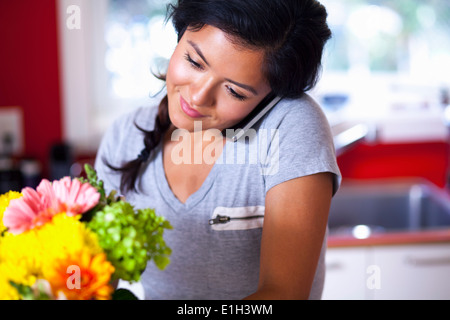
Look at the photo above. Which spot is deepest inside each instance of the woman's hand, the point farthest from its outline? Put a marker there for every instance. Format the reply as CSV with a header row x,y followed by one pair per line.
x,y
295,222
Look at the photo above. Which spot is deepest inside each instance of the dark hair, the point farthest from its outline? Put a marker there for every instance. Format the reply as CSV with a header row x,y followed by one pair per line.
x,y
292,33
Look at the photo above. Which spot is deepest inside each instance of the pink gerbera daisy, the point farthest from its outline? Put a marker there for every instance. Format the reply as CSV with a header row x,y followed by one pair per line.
x,y
73,196
37,207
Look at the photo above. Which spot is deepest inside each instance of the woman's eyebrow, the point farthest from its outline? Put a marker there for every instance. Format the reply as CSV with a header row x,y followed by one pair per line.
x,y
200,53
244,86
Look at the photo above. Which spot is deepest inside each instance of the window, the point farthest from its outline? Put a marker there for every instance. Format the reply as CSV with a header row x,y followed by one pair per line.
x,y
138,44
402,36
381,51
386,54
110,63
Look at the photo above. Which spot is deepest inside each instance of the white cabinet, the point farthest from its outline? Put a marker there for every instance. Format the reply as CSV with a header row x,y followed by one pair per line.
x,y
345,276
402,272
413,272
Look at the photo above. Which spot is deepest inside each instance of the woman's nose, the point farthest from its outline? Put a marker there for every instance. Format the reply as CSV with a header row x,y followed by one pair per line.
x,y
202,92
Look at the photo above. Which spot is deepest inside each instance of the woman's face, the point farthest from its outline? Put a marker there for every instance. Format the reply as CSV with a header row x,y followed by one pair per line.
x,y
213,80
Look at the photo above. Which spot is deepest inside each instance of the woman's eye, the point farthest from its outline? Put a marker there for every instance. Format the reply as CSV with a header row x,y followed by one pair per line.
x,y
235,94
194,64
198,66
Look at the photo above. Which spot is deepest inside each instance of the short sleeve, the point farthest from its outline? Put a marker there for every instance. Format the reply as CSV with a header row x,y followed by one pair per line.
x,y
301,143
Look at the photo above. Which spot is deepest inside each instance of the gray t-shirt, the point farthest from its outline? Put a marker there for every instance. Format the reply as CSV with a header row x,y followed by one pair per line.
x,y
221,260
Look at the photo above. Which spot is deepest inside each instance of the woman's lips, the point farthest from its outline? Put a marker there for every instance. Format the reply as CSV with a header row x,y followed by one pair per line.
x,y
188,110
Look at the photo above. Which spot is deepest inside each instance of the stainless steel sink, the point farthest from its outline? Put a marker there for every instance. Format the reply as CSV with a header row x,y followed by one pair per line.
x,y
388,206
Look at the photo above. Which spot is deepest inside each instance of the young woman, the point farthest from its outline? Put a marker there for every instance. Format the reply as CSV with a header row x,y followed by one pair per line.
x,y
250,215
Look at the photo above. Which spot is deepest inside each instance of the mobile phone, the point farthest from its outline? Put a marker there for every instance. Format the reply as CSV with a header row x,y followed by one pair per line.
x,y
260,110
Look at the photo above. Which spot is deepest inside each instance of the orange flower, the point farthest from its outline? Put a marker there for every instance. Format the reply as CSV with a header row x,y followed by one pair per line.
x,y
81,277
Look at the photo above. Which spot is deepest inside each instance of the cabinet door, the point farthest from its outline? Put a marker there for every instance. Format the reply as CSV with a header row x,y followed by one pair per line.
x,y
413,271
345,276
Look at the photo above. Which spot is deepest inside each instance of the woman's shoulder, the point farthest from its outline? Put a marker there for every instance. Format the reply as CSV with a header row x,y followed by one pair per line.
x,y
303,141
144,117
300,113
124,131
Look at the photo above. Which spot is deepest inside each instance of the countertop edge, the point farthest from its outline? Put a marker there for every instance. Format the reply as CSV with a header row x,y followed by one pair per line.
x,y
398,238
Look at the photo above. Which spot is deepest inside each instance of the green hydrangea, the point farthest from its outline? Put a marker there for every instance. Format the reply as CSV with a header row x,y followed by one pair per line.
x,y
129,237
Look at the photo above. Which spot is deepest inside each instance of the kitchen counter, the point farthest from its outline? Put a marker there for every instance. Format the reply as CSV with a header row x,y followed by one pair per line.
x,y
391,238
390,211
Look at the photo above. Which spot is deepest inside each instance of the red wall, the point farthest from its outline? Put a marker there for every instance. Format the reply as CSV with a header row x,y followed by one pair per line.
x,y
29,74
373,161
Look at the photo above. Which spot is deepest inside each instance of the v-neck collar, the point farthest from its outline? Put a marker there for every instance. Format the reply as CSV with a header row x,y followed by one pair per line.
x,y
166,191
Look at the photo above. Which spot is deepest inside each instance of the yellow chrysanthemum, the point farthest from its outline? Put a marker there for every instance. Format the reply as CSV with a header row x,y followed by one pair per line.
x,y
19,262
82,256
7,292
21,254
4,203
65,236
40,252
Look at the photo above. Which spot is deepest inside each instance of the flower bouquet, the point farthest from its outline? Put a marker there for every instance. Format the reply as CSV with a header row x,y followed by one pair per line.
x,y
67,239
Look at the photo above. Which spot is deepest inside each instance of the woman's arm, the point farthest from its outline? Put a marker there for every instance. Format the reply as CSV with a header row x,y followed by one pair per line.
x,y
295,222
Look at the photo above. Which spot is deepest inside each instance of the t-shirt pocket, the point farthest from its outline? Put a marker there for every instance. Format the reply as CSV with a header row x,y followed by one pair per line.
x,y
234,250
237,218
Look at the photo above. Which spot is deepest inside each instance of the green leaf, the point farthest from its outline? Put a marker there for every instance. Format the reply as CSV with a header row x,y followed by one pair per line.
x,y
161,262
28,293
